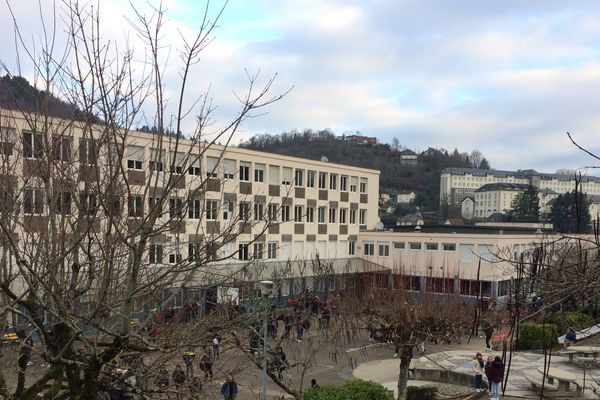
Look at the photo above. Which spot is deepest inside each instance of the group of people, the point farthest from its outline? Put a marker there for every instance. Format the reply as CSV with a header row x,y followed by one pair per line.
x,y
493,368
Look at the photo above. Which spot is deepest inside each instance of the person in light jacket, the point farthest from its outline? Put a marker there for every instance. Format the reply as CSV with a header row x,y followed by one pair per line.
x,y
477,366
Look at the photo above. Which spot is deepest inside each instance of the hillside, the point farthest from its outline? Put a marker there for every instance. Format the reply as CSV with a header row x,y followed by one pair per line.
x,y
423,178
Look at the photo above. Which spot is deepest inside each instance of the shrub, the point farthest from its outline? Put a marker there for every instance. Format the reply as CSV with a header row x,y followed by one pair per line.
x,y
421,393
577,320
353,390
536,336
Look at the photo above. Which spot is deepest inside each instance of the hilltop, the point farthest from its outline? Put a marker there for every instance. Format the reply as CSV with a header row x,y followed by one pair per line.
x,y
422,178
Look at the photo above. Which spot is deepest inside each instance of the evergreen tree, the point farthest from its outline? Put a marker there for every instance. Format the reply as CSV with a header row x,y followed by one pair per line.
x,y
570,213
484,164
525,207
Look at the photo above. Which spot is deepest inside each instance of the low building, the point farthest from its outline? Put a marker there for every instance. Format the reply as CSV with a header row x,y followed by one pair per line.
x,y
408,157
358,139
496,198
405,197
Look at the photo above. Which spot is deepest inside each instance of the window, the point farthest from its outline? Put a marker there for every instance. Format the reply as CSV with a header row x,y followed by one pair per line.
x,y
467,252
244,171
194,168
156,160
321,215
369,249
33,201
228,210
285,213
299,177
272,211
88,203
243,251
272,250
486,252
352,216
33,146
362,217
193,252
177,163
274,175
310,179
61,148
286,178
322,180
414,245
229,169
155,254
7,140
298,213
344,183
6,200
353,183
351,248
175,256
363,185
259,211
449,246
175,208
310,214
63,203
136,206
195,209
135,157
259,172
244,211
212,167
399,245
383,249
343,213
431,246
333,182
258,250
211,209
332,212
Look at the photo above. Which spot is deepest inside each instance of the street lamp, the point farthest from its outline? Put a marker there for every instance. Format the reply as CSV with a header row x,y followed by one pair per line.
x,y
266,289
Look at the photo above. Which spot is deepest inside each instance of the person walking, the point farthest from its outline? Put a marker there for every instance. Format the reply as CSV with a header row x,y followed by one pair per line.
x,y
215,345
178,379
206,362
229,389
477,366
306,327
570,337
314,384
299,329
280,362
496,375
488,371
488,331
188,359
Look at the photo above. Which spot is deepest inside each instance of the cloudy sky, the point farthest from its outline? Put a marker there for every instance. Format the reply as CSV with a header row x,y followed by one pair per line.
x,y
509,78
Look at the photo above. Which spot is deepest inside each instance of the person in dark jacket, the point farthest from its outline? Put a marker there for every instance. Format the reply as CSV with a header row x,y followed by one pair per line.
x,y
488,330
280,362
206,362
229,389
178,379
496,375
487,368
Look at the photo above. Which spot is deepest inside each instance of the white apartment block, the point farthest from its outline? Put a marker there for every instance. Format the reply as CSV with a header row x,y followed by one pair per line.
x,y
458,183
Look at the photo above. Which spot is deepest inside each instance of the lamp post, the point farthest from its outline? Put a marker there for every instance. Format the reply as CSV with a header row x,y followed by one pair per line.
x,y
266,287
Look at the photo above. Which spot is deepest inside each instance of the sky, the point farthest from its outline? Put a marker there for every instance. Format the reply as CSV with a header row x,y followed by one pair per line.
x,y
508,78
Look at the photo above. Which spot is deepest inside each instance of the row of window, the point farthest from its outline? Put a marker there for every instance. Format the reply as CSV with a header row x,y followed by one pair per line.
x,y
383,248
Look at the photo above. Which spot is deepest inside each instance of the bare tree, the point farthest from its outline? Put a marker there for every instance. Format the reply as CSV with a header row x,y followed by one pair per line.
x,y
475,157
82,233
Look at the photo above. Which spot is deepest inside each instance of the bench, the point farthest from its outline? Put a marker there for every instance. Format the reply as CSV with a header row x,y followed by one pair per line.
x,y
537,381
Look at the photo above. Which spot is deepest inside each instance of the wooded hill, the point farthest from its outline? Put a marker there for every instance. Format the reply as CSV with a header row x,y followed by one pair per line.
x,y
423,178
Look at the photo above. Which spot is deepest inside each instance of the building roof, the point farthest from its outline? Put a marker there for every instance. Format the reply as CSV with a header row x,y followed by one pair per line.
x,y
468,198
547,191
525,174
408,152
488,187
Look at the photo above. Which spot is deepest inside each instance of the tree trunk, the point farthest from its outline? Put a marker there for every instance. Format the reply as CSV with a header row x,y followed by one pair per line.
x,y
406,353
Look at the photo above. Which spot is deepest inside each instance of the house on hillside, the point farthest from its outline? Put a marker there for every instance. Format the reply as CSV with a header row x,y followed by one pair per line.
x,y
405,197
412,219
408,157
358,139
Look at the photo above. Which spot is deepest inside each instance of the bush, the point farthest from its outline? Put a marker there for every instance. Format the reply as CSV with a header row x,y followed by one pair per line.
x,y
353,390
536,336
421,393
577,320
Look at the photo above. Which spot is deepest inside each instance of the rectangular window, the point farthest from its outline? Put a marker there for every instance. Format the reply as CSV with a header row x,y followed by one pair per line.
x,y
175,257
352,216
244,211
353,183
310,179
88,203
299,177
272,211
344,183
333,181
229,168
383,249
298,213
322,180
136,206
175,208
259,172
272,250
351,248
155,255
155,202
193,252
274,175
244,171
431,246
467,252
399,245
195,167
449,246
285,213
369,249
343,213
286,176
87,152
310,214
362,217
212,167
486,252
195,209
177,163
8,138
63,203
61,148
228,210
258,250
332,212
212,208
414,245
321,215
135,157
259,211
157,158
243,252
33,201
363,185
33,147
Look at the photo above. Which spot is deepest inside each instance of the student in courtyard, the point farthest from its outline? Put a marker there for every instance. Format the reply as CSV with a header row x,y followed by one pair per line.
x,y
488,371
477,365
496,375
229,389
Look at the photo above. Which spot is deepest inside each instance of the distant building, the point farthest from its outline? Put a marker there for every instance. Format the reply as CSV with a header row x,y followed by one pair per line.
x,y
467,207
408,157
496,198
547,197
384,197
371,140
405,197
594,206
413,219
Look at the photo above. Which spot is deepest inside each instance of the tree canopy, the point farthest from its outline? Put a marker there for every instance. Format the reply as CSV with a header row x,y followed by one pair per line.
x,y
525,206
570,213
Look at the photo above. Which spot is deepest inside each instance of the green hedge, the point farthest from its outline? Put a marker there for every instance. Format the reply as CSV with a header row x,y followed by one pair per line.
x,y
578,320
535,336
353,390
